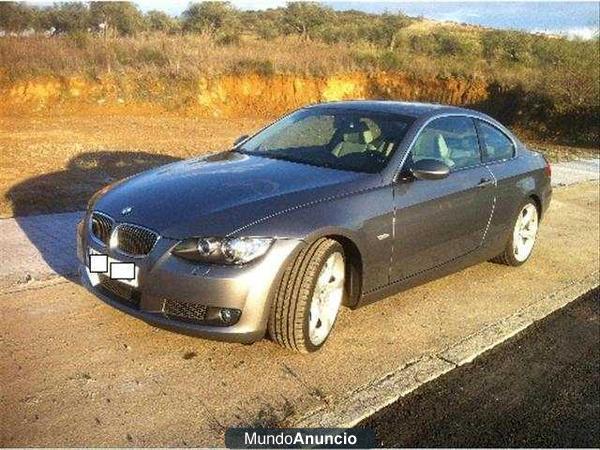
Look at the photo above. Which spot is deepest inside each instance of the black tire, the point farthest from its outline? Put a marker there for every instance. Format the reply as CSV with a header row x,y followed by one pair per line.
x,y
289,315
507,257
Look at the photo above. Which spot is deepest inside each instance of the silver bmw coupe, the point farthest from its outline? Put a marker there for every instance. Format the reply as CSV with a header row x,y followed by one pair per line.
x,y
336,204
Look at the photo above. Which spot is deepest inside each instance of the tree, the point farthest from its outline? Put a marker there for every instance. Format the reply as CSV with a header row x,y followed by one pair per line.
x,y
122,18
391,26
15,17
266,24
305,17
160,21
69,17
209,17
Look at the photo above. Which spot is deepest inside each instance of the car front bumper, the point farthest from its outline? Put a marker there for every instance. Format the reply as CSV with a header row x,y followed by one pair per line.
x,y
163,277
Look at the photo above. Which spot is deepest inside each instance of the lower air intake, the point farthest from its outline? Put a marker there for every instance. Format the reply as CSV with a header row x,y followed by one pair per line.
x,y
121,292
189,312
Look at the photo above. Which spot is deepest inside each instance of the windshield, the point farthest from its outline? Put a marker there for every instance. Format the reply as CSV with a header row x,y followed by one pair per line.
x,y
344,140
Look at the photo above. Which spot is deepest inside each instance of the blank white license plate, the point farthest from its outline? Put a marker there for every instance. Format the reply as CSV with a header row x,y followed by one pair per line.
x,y
102,264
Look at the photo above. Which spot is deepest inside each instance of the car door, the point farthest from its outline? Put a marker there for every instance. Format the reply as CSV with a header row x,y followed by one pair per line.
x,y
436,221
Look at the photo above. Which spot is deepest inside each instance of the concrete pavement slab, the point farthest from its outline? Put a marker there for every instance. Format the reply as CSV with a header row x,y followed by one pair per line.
x,y
37,247
571,172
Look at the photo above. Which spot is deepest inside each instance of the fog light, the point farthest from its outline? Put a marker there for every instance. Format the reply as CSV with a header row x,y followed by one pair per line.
x,y
228,315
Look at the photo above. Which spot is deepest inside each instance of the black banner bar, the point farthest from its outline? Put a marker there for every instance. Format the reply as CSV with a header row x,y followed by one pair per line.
x,y
299,438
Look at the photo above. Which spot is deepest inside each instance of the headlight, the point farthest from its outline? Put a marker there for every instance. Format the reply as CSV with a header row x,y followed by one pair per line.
x,y
223,250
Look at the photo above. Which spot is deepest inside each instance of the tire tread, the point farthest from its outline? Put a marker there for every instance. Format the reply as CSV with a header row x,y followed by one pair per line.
x,y
288,311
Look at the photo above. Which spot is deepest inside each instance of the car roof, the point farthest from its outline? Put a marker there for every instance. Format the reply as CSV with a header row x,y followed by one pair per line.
x,y
412,109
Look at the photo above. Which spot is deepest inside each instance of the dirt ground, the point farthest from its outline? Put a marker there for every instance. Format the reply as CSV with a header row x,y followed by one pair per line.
x,y
76,372
54,163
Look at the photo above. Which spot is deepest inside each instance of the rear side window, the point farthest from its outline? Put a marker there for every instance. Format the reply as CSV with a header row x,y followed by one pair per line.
x,y
496,145
452,140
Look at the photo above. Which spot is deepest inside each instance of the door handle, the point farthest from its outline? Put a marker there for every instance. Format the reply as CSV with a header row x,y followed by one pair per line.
x,y
484,182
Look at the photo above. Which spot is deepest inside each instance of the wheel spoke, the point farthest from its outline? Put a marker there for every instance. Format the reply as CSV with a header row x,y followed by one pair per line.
x,y
519,223
314,314
327,298
325,324
525,232
337,283
526,217
529,234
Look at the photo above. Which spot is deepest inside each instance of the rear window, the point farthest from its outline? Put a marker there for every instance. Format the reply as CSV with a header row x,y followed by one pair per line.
x,y
496,145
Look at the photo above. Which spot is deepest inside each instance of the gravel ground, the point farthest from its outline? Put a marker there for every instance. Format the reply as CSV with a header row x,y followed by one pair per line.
x,y
571,172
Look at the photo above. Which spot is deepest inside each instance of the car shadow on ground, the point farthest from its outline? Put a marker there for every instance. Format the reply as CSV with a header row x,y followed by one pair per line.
x,y
67,192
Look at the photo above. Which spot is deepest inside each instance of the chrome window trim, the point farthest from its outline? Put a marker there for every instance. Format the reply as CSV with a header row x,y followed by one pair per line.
x,y
440,116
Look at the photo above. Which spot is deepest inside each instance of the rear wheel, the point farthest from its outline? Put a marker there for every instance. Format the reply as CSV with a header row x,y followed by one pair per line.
x,y
520,244
309,297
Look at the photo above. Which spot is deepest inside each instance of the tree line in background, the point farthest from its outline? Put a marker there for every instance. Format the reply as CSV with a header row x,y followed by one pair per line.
x,y
216,18
226,25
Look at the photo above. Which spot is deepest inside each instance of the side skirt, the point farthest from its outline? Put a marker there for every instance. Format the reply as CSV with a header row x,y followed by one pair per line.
x,y
475,257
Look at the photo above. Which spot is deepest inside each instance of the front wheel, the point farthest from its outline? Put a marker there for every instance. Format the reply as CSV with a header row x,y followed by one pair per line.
x,y
309,297
521,241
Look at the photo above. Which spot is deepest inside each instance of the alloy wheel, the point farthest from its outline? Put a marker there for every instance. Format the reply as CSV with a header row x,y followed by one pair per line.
x,y
525,232
327,298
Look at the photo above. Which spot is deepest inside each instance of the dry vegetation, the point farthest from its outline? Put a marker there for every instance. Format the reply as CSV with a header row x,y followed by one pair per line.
x,y
423,48
180,57
548,85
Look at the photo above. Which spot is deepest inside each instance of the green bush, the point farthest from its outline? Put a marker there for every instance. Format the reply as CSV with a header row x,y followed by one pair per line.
x,y
81,40
390,61
507,46
422,44
228,39
152,56
456,44
162,22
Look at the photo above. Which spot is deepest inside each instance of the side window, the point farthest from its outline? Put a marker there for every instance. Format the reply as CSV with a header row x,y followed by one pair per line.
x,y
496,144
452,140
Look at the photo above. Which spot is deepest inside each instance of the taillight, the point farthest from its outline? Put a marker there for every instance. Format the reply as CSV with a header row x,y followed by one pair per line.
x,y
547,168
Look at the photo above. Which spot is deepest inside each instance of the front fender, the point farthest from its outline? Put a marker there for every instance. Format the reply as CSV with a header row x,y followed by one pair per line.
x,y
359,217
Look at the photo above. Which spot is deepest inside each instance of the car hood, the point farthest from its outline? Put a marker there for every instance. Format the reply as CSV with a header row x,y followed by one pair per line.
x,y
216,195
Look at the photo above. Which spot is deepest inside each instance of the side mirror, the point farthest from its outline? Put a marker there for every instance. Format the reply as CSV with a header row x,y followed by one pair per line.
x,y
430,169
239,140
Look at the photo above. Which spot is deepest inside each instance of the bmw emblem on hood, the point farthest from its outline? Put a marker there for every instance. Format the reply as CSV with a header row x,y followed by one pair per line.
x,y
127,210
